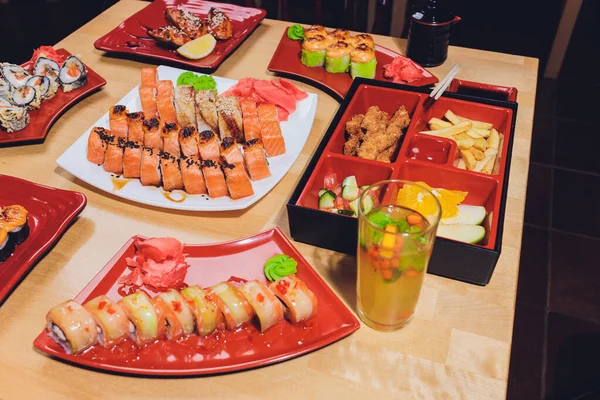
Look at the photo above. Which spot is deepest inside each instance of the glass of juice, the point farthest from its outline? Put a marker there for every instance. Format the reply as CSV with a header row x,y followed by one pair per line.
x,y
394,245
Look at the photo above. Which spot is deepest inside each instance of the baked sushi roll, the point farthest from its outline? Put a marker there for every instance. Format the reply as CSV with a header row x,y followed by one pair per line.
x,y
184,105
170,135
7,246
363,62
15,75
233,305
143,321
313,51
301,304
206,111
337,57
341,35
73,74
178,313
14,220
362,38
188,141
230,117
203,304
13,118
111,321
72,327
267,307
314,31
152,137
219,24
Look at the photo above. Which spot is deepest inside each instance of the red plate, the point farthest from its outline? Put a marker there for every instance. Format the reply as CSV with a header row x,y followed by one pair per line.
x,y
50,110
286,61
132,32
51,211
223,351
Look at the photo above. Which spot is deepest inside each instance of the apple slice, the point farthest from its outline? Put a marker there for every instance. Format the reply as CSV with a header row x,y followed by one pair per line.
x,y
467,215
463,233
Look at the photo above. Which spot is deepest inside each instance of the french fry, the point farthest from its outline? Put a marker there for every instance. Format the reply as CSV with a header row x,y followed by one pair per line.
x,y
435,127
439,122
470,161
473,134
478,154
461,136
461,164
464,144
490,156
449,132
476,124
488,168
450,116
483,132
494,139
491,152
480,144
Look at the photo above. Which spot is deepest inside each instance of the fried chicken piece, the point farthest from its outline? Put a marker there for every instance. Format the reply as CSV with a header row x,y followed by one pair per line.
x,y
375,120
353,126
375,124
351,146
381,144
386,155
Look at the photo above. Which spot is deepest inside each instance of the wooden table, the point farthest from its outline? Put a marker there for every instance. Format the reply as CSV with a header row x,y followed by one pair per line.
x,y
457,346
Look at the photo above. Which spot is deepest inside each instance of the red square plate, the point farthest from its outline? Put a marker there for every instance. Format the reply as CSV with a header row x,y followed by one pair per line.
x,y
286,61
222,351
50,110
130,36
51,211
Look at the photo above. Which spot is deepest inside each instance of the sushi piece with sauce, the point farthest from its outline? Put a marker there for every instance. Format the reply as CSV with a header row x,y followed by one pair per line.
x,y
204,306
185,106
132,160
113,159
148,100
313,51
267,307
235,308
256,162
171,175
13,118
188,140
14,219
215,180
117,120
15,75
111,321
143,321
314,31
7,246
301,303
191,173
238,182
152,136
231,152
73,74
97,143
362,38
135,131
72,327
164,102
337,58
150,169
208,146
250,120
170,135
178,313
363,62
230,118
206,111
270,131
167,319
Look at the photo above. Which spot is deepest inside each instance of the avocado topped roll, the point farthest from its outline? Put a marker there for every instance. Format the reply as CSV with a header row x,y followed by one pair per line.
x,y
363,38
337,58
313,51
314,31
363,62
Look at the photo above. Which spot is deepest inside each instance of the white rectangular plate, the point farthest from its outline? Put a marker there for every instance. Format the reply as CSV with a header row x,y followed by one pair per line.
x,y
295,132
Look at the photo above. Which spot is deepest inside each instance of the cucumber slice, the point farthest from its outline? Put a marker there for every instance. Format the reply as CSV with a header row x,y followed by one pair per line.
x,y
463,233
349,192
467,215
364,187
367,204
349,213
326,200
350,181
322,192
354,205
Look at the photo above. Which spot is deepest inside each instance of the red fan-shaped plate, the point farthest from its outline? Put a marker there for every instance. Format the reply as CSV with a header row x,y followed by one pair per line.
x,y
222,351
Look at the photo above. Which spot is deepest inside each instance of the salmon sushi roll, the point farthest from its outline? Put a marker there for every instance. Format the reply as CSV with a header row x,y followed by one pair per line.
x,y
112,322
270,130
149,77
97,143
152,137
113,160
188,140
117,119
238,182
301,303
148,100
144,327
231,152
135,122
233,305
171,176
132,160
178,314
170,135
72,327
167,320
208,145
267,307
250,120
203,304
191,173
256,163
164,102
150,169
215,180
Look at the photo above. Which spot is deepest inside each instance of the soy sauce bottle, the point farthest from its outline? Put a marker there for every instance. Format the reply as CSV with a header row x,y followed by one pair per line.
x,y
429,34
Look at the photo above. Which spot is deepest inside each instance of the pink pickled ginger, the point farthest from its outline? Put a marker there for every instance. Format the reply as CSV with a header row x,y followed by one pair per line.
x,y
402,70
158,262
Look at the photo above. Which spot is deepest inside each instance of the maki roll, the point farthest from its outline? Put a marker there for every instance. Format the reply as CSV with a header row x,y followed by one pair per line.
x,y
363,62
203,306
314,31
143,321
313,51
178,313
14,220
233,305
13,119
41,84
25,97
15,75
300,301
340,35
5,89
337,58
362,39
72,327
73,74
268,308
7,246
50,69
112,323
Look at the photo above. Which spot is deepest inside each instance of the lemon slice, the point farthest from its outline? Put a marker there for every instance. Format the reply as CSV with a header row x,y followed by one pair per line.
x,y
198,48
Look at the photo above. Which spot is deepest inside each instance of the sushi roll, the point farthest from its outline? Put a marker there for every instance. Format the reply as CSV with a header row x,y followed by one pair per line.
x,y
178,313
15,75
7,246
5,89
73,74
150,169
188,140
50,69
203,305
152,139
13,119
170,134
41,84
14,220
230,117
143,321
337,57
233,305
363,38
171,175
300,302
363,62
72,327
206,111
314,31
117,121
340,34
268,308
313,51
25,97
111,321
